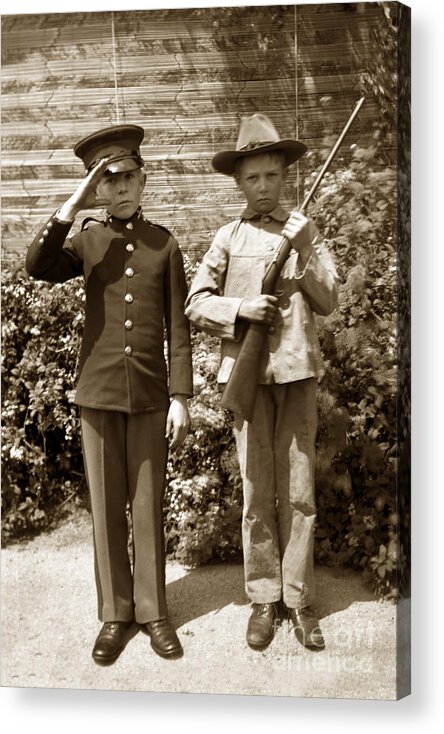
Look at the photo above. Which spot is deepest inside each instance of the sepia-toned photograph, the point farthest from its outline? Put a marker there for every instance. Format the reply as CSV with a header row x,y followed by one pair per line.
x,y
205,228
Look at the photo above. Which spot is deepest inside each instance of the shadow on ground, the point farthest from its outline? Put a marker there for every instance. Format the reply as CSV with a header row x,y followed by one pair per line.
x,y
204,590
49,608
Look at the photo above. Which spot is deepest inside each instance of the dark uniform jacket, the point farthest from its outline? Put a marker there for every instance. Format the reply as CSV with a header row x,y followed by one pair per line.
x,y
135,287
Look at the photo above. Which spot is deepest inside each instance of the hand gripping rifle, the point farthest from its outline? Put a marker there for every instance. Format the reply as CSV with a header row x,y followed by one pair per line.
x,y
240,391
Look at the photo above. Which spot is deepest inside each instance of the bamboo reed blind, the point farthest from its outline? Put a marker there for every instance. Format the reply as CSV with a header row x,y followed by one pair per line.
x,y
187,77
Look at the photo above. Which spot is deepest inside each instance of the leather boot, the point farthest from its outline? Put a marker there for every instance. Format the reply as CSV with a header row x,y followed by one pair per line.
x,y
307,629
164,639
261,625
110,642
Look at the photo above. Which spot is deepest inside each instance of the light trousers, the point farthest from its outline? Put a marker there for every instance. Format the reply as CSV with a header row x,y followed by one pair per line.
x,y
125,461
276,455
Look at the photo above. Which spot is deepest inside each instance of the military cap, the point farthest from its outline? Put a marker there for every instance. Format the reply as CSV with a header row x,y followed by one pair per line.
x,y
257,134
120,142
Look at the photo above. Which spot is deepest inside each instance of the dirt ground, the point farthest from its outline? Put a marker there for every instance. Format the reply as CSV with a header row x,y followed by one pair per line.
x,y
49,626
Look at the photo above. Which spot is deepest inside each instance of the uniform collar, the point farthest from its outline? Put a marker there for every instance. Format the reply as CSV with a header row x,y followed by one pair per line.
x,y
279,214
116,222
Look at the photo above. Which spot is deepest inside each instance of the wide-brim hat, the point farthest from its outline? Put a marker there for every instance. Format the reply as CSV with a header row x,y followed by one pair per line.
x,y
120,142
257,134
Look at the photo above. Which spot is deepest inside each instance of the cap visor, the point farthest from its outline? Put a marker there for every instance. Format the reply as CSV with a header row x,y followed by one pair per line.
x,y
124,164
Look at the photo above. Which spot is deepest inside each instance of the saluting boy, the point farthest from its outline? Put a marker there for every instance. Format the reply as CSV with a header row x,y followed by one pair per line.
x,y
131,402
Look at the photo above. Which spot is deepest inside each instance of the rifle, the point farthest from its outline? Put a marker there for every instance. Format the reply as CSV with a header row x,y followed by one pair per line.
x,y
240,391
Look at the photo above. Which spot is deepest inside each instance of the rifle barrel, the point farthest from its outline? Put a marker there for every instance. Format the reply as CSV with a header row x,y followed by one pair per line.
x,y
332,154
284,247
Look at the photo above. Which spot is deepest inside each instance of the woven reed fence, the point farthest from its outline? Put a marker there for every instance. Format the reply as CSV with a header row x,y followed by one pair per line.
x,y
187,77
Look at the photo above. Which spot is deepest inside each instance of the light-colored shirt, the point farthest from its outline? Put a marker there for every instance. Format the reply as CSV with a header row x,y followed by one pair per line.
x,y
233,269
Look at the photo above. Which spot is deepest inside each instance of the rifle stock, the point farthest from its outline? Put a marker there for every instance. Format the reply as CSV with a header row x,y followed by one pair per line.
x,y
240,391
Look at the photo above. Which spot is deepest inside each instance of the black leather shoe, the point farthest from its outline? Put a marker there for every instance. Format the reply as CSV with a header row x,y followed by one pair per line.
x,y
261,625
307,629
110,642
164,640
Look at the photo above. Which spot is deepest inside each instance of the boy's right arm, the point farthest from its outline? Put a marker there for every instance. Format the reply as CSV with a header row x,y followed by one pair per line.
x,y
206,306
47,258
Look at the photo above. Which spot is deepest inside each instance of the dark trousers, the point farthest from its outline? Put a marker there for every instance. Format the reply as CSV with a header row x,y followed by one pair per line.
x,y
125,461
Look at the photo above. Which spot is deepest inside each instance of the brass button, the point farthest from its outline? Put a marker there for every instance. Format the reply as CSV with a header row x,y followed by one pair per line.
x,y
129,225
45,233
128,324
129,298
272,330
130,247
128,351
267,219
41,241
49,225
129,272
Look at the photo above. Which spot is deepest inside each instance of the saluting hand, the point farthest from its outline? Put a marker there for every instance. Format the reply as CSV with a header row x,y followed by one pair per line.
x,y
85,197
178,421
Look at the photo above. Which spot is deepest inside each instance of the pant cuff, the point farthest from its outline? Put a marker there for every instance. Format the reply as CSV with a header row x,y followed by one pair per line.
x,y
264,598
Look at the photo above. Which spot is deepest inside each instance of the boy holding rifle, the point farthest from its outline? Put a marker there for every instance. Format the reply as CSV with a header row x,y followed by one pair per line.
x,y
130,403
276,445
